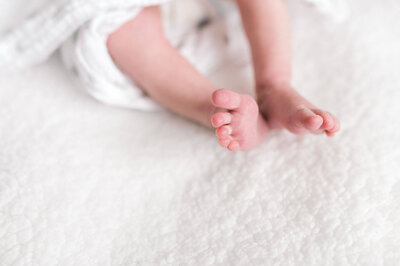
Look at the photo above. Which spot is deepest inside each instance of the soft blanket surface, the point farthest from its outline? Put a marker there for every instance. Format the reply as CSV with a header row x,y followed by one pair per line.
x,y
85,184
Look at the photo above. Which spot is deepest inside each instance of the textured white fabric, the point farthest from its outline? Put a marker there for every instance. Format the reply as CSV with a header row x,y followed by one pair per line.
x,y
85,184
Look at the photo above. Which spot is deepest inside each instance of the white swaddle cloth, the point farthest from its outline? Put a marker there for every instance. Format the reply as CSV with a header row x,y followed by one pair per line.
x,y
198,28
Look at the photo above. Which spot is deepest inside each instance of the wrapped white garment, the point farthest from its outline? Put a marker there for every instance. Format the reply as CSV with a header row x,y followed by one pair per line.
x,y
79,28
198,28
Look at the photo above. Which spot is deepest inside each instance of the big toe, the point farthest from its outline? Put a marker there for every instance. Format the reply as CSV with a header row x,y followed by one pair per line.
x,y
226,99
313,123
305,118
220,119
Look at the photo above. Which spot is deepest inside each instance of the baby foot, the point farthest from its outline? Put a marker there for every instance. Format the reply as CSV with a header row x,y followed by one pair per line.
x,y
238,123
285,107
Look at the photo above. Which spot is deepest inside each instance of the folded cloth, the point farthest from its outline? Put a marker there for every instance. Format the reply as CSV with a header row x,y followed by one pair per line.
x,y
80,27
198,28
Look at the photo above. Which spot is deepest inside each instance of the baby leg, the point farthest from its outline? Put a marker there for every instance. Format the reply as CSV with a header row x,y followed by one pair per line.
x,y
140,49
267,28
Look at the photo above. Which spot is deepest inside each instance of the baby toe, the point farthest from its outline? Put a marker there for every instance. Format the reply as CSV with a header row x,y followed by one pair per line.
x,y
224,142
313,123
226,99
220,119
305,119
224,132
335,129
234,146
329,121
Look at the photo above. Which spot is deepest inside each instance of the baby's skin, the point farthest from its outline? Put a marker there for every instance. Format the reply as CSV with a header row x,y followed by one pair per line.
x,y
238,122
140,49
240,125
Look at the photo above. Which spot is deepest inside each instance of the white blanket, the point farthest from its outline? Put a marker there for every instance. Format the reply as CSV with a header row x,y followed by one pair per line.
x,y
85,184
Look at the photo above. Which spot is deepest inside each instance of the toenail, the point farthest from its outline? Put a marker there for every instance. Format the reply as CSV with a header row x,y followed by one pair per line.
x,y
233,146
224,143
329,124
316,119
216,121
221,96
224,131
